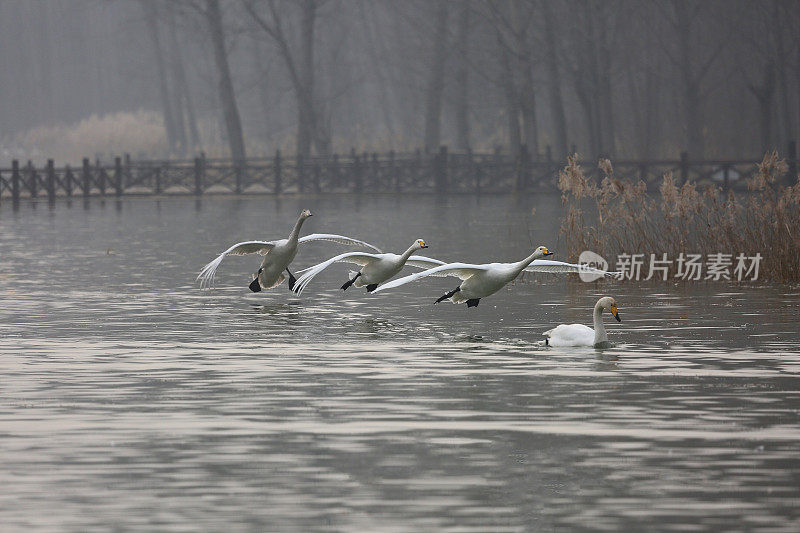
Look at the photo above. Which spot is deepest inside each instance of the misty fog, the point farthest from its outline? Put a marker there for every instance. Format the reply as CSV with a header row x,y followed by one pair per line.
x,y
242,78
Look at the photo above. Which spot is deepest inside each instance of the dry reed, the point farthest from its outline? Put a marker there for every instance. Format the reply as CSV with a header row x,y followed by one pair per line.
x,y
625,219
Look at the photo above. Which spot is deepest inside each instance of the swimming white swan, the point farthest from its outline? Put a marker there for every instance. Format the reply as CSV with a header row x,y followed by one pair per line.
x,y
375,268
278,255
479,281
580,335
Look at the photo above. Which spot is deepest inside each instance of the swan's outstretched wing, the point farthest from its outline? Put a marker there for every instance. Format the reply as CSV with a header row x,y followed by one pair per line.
x,y
459,270
555,267
420,261
341,239
206,275
359,258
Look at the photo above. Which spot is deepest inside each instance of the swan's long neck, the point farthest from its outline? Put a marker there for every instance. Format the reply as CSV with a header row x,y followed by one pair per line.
x,y
520,266
599,328
405,255
295,234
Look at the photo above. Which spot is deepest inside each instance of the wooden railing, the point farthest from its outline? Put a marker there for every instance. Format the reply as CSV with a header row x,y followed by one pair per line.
x,y
442,172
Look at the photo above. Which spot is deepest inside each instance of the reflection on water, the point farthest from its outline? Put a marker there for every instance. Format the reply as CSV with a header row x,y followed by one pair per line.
x,y
130,399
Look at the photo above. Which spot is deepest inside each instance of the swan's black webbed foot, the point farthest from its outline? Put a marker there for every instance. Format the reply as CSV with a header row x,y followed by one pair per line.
x,y
350,282
474,302
255,286
448,295
371,287
292,280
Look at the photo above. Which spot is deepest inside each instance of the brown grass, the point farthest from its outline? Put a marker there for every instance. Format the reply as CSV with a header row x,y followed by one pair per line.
x,y
765,220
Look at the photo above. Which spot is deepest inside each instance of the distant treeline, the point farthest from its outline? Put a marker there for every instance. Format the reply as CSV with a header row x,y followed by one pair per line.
x,y
617,78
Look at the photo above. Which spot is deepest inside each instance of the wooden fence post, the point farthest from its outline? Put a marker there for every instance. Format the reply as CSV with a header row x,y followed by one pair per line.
x,y
278,175
51,181
86,177
15,181
301,178
357,181
440,170
416,167
237,171
68,179
335,171
684,167
791,177
33,180
118,176
523,168
726,171
198,176
126,171
474,170
157,175
366,179
395,175
101,178
316,178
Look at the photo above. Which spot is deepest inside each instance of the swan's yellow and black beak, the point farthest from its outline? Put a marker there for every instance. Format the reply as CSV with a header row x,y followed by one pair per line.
x,y
615,313
546,251
422,244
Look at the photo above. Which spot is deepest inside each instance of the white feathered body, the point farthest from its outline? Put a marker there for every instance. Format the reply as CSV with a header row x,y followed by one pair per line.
x,y
570,335
383,267
479,281
278,254
486,282
580,335
273,267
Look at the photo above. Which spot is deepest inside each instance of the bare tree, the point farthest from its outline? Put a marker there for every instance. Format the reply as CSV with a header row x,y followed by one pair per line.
x,y
152,18
462,77
227,96
554,81
435,85
299,63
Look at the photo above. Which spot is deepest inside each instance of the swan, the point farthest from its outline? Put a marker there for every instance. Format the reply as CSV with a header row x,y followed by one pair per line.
x,y
580,335
277,256
375,268
479,281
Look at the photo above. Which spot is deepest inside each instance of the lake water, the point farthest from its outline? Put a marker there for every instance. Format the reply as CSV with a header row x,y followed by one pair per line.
x,y
130,399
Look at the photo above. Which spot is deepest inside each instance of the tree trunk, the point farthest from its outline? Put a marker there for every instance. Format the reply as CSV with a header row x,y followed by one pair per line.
x,y
528,108
433,95
151,16
177,91
652,114
308,115
765,95
462,90
512,104
785,114
605,93
527,95
691,92
263,88
554,84
227,96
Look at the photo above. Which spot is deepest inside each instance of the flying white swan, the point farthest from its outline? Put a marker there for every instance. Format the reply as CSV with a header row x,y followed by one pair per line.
x,y
278,255
375,268
580,335
479,281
